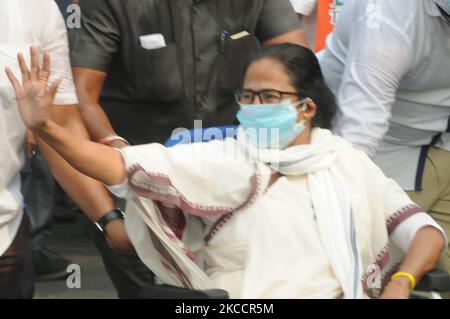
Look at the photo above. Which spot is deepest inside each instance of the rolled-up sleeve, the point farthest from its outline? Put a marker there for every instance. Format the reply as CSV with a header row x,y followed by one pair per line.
x,y
405,232
120,190
277,17
94,45
55,42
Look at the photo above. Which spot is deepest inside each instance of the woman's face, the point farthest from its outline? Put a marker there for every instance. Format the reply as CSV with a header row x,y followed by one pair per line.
x,y
269,74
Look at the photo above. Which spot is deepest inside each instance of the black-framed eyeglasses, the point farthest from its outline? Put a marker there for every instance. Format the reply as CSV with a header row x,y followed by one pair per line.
x,y
246,96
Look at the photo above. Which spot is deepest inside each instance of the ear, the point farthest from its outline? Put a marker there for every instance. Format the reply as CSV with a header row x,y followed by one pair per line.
x,y
311,109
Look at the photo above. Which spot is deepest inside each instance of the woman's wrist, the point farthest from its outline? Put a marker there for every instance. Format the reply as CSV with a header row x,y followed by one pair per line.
x,y
43,128
403,282
404,279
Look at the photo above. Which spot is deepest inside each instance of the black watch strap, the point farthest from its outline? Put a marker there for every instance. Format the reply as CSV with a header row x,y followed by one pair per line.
x,y
108,217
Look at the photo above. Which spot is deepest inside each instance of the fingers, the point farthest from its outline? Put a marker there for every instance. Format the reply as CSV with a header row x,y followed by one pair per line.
x,y
23,67
35,68
15,83
45,72
36,73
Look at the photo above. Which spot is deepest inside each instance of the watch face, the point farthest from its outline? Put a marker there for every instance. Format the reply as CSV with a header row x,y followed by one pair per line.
x,y
99,227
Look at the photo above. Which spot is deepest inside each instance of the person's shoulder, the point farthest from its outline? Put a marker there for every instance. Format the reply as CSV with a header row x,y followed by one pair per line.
x,y
358,166
40,6
370,5
354,158
398,13
35,16
35,11
399,10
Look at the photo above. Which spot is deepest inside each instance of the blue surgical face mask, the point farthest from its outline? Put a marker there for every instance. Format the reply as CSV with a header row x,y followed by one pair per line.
x,y
444,5
272,125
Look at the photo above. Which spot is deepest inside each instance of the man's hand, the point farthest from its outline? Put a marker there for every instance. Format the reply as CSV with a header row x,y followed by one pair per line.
x,y
33,98
117,238
397,289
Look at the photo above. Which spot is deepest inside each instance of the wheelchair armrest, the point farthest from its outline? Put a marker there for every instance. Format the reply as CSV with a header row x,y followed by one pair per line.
x,y
435,280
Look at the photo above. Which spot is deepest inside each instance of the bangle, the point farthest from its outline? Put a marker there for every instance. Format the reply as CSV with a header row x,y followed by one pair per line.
x,y
411,278
107,140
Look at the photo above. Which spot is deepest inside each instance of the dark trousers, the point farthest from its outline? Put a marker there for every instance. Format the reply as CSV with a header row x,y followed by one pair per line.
x,y
128,274
39,191
16,267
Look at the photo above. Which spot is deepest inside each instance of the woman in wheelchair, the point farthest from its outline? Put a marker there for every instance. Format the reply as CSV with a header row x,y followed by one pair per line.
x,y
285,210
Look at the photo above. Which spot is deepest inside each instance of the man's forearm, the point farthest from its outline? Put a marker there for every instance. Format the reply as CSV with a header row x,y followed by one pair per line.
x,y
89,194
97,161
96,121
89,85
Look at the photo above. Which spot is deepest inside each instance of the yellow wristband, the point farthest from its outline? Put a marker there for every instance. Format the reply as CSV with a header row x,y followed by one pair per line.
x,y
411,278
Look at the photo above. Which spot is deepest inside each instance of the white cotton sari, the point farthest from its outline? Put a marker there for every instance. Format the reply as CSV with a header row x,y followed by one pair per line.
x,y
211,215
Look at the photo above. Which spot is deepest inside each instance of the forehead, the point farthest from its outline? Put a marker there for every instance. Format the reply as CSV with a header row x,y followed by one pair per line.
x,y
267,73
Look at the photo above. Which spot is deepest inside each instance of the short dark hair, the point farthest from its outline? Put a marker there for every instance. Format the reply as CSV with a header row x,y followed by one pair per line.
x,y
306,75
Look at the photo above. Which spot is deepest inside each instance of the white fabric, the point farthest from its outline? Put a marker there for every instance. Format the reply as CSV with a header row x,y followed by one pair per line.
x,y
403,235
23,23
330,198
11,213
189,180
387,63
138,226
121,190
304,7
273,249
278,242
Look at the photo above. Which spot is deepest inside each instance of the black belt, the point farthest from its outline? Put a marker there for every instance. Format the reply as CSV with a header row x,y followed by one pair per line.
x,y
423,158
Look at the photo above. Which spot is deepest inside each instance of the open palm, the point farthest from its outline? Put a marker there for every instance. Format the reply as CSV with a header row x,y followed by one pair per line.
x,y
33,97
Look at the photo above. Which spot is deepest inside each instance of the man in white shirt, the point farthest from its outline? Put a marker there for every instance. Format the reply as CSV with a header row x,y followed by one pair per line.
x,y
388,63
25,23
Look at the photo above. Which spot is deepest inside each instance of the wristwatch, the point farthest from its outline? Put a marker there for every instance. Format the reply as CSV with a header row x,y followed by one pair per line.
x,y
108,217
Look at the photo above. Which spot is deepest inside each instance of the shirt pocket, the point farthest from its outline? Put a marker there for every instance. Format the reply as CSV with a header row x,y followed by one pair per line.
x,y
158,75
233,59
